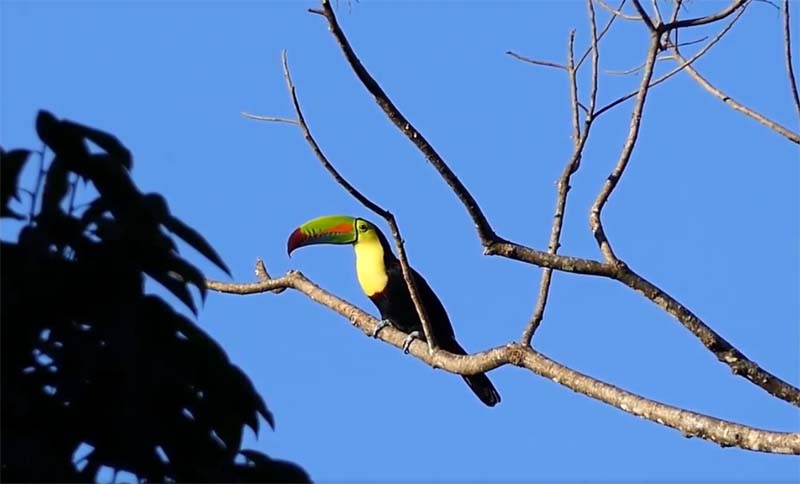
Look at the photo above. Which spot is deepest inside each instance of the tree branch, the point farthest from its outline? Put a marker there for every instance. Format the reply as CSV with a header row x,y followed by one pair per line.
x,y
676,70
355,193
737,106
579,141
485,231
599,36
617,12
787,42
694,22
690,424
535,61
595,220
645,18
496,245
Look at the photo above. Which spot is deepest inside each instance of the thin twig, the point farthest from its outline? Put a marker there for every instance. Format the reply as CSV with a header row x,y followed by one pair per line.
x,y
485,231
690,424
694,22
657,12
534,61
595,215
496,245
599,36
273,119
634,70
677,69
645,17
355,193
787,42
573,89
579,141
617,12
676,11
561,198
734,104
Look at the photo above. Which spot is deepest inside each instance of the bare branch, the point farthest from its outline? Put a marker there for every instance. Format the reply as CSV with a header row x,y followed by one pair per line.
x,y
634,70
353,191
617,12
485,231
534,61
263,275
600,36
690,424
643,14
736,105
677,69
657,12
719,346
273,119
694,22
676,11
595,220
496,245
787,42
579,141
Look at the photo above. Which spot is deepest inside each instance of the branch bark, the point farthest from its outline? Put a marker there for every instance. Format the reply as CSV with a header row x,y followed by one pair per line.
x,y
355,193
736,105
677,69
496,245
595,215
694,22
690,424
579,141
787,42
485,231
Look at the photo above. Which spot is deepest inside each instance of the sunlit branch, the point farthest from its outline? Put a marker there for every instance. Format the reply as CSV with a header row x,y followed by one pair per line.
x,y
690,424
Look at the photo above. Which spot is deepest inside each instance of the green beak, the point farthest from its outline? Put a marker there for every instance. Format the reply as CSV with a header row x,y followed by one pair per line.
x,y
331,229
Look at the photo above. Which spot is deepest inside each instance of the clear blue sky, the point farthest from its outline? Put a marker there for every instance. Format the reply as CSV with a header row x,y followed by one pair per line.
x,y
708,210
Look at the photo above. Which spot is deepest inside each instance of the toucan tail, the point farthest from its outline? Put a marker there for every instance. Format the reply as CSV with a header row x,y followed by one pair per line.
x,y
480,383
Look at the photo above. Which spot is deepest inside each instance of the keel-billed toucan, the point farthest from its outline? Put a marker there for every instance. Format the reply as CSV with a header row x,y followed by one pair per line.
x,y
381,277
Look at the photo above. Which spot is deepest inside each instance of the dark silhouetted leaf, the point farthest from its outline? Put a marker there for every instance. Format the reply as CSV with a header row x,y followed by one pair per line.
x,y
108,142
261,468
189,235
11,164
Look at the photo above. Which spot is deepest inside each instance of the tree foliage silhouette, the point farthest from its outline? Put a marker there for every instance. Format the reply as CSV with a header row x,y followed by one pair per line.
x,y
88,357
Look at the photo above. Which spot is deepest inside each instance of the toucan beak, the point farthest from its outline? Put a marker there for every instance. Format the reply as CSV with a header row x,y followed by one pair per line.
x,y
331,229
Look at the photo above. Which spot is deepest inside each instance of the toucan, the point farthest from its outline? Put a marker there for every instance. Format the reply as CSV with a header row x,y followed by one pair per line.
x,y
381,278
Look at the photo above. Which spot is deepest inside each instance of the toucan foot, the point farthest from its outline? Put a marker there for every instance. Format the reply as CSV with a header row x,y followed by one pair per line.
x,y
411,337
381,324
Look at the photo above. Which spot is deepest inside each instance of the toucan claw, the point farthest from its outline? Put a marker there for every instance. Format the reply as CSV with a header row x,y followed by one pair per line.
x,y
381,324
411,337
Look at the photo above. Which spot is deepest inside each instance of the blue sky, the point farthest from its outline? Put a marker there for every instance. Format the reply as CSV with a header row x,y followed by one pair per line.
x,y
708,210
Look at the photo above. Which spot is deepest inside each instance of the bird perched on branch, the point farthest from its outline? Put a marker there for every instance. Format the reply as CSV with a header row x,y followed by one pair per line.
x,y
381,278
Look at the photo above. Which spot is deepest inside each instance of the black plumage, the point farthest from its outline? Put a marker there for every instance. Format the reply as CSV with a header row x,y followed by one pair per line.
x,y
396,306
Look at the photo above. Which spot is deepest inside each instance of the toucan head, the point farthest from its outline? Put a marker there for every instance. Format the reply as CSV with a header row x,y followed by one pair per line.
x,y
332,229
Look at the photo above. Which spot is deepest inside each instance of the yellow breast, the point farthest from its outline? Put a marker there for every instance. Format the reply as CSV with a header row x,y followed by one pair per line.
x,y
370,268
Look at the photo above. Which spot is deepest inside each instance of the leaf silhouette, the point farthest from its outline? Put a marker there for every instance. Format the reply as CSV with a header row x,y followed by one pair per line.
x,y
11,164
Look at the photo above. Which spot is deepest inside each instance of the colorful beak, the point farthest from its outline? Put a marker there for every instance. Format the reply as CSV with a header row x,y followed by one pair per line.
x,y
331,229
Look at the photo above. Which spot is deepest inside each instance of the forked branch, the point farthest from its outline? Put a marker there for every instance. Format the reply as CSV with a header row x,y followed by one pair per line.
x,y
355,193
595,215
619,271
736,105
690,424
580,136
485,231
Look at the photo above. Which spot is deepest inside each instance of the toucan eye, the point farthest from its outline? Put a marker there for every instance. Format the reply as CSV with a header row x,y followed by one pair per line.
x,y
362,227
